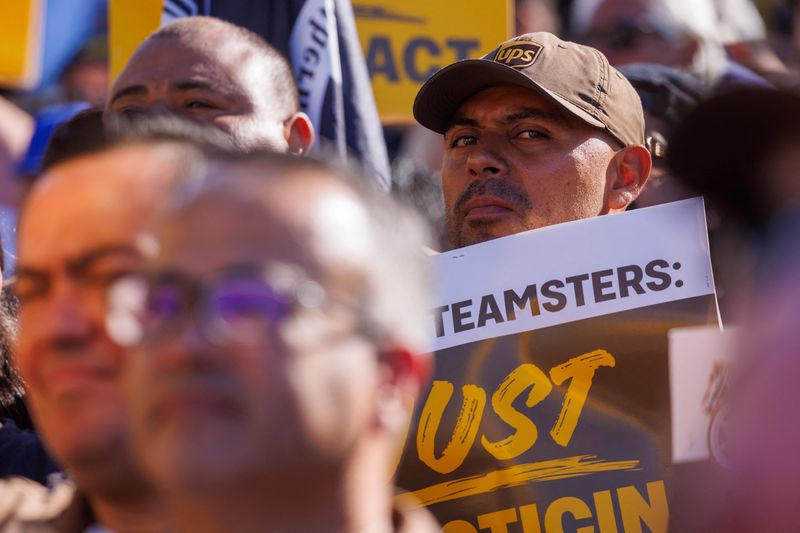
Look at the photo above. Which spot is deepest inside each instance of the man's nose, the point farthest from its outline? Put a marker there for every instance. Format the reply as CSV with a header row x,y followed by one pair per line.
x,y
184,348
486,159
70,315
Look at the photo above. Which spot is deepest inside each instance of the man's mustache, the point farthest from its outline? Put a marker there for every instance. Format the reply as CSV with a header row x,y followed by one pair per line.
x,y
497,187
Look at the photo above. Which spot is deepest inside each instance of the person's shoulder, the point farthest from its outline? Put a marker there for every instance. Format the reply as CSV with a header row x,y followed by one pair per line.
x,y
22,454
27,506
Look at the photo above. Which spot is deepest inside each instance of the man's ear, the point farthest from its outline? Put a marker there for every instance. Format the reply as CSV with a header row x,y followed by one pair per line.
x,y
402,376
299,133
627,174
407,370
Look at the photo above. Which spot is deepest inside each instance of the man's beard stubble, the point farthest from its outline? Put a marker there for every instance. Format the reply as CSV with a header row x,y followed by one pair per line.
x,y
496,187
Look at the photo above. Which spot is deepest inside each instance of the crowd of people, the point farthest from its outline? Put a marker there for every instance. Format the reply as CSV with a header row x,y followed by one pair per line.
x,y
209,330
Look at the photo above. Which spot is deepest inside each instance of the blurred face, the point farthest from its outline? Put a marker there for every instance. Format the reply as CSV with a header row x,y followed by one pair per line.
x,y
625,31
83,226
514,161
219,82
237,388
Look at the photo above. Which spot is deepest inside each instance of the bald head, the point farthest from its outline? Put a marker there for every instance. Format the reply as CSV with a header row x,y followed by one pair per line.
x,y
214,72
335,224
313,302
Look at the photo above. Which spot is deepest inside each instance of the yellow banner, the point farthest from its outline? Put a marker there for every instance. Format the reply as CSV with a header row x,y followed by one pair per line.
x,y
129,23
21,24
405,41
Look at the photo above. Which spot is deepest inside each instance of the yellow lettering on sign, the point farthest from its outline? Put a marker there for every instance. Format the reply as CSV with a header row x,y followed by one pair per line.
x,y
633,506
581,371
407,41
634,509
529,516
604,508
497,522
464,432
459,526
522,377
553,517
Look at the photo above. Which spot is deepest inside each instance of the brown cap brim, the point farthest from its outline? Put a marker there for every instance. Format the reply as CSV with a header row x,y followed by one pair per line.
x,y
444,92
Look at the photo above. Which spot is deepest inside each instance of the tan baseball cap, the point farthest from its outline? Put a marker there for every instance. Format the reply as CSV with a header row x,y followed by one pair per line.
x,y
576,77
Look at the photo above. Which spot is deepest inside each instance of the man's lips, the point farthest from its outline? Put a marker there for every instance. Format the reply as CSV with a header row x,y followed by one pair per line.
x,y
487,206
191,402
77,379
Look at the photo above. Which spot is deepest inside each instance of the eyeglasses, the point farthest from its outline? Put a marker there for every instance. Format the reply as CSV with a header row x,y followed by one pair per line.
x,y
241,306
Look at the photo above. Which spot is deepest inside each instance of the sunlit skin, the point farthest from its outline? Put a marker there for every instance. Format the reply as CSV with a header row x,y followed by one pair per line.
x,y
273,424
202,416
85,223
515,161
215,79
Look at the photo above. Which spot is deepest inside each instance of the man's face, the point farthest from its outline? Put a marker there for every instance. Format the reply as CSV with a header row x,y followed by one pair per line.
x,y
291,399
624,31
514,161
219,82
84,225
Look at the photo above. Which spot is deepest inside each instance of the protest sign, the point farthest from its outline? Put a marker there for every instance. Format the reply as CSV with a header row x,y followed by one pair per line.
x,y
698,365
21,23
550,405
406,41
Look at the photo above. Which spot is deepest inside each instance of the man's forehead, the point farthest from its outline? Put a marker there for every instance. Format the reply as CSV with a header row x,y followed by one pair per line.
x,y
172,59
299,218
99,198
506,103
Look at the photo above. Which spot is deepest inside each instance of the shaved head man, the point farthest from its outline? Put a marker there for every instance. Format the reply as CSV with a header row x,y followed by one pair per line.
x,y
216,73
278,345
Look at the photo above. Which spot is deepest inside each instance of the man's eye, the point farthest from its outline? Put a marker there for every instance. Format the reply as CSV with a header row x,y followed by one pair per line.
x,y
27,292
464,140
532,134
130,112
197,104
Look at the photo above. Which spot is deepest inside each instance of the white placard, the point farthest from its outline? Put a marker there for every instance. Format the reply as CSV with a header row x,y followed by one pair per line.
x,y
573,271
698,360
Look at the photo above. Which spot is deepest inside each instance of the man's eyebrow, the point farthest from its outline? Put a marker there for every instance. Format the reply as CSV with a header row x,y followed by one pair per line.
x,y
27,272
130,90
460,120
194,85
533,113
85,260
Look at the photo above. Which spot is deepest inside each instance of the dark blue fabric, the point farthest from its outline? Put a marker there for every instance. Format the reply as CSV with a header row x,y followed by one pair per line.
x,y
22,454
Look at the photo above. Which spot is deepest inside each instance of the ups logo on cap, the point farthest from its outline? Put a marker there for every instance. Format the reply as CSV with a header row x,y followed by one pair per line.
x,y
518,54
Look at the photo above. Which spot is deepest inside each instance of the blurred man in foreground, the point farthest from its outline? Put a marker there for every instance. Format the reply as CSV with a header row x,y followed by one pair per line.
x,y
219,74
277,346
86,223
537,132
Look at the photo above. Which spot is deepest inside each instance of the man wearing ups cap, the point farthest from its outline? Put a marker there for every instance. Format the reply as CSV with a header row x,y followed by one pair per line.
x,y
537,132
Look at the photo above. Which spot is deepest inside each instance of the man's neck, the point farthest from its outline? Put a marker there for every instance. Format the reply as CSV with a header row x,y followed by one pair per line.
x,y
121,500
131,515
356,500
